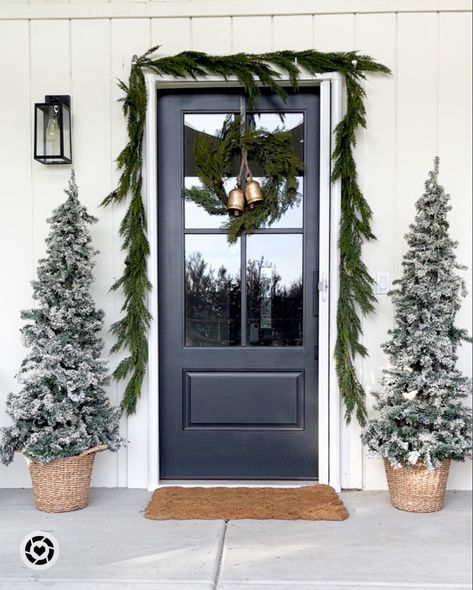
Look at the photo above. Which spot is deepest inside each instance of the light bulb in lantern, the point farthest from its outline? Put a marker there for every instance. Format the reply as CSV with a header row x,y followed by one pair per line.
x,y
52,130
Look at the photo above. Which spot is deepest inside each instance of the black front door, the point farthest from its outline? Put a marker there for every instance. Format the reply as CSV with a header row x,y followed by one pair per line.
x,y
237,323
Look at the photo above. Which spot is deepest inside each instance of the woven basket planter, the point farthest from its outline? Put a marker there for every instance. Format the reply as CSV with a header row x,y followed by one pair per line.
x,y
417,489
63,485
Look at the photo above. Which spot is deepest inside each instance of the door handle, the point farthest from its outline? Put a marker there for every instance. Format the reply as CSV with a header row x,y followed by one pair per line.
x,y
323,285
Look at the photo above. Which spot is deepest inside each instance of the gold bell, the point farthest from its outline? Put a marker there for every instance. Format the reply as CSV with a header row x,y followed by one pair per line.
x,y
236,201
253,192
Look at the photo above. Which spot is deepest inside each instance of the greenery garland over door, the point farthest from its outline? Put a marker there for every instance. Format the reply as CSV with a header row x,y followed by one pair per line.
x,y
254,71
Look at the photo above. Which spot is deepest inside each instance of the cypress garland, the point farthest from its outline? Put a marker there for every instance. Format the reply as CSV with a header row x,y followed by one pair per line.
x,y
356,285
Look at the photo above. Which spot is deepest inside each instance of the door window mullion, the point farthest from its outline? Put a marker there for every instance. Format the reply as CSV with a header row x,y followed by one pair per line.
x,y
243,312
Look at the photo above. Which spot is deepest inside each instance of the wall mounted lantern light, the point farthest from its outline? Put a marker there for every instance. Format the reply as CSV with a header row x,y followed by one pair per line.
x,y
52,130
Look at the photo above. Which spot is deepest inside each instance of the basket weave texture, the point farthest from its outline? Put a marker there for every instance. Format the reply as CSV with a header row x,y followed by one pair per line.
x,y
63,485
417,489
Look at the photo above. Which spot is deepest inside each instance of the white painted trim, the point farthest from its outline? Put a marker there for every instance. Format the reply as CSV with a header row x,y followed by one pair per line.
x,y
350,468
305,79
335,417
221,8
329,403
324,274
151,162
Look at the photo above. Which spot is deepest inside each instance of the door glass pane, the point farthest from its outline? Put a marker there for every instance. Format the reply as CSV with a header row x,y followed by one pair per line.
x,y
274,290
194,125
294,124
212,291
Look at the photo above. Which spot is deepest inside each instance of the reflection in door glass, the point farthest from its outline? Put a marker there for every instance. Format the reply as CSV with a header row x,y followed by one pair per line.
x,y
294,124
274,290
212,291
194,125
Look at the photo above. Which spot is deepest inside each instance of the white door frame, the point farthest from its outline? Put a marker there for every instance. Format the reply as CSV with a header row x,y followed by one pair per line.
x,y
331,107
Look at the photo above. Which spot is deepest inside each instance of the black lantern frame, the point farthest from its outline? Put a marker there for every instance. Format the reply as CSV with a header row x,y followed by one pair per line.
x,y
53,130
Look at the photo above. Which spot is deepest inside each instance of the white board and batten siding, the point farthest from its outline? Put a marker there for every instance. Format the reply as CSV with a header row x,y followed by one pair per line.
x,y
81,48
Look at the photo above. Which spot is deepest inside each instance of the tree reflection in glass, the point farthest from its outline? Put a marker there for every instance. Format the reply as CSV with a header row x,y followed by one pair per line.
x,y
213,292
274,308
274,290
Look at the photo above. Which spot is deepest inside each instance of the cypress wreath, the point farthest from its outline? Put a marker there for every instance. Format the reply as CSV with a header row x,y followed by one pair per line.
x,y
213,160
253,72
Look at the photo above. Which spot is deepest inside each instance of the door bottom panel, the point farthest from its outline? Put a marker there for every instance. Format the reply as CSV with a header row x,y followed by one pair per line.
x,y
243,399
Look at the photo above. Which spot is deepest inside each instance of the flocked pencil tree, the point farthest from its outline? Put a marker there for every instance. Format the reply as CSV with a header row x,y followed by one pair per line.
x,y
62,408
422,414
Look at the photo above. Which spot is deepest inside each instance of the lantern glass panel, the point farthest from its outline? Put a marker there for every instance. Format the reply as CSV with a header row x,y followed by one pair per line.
x,y
66,128
53,133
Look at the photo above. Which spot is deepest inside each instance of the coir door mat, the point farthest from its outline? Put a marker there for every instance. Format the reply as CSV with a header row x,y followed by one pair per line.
x,y
316,502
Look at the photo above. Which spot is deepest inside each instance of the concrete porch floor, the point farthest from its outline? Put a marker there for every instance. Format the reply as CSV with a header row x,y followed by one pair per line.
x,y
110,545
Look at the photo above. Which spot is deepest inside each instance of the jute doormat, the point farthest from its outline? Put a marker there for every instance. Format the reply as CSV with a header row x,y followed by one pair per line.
x,y
316,502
